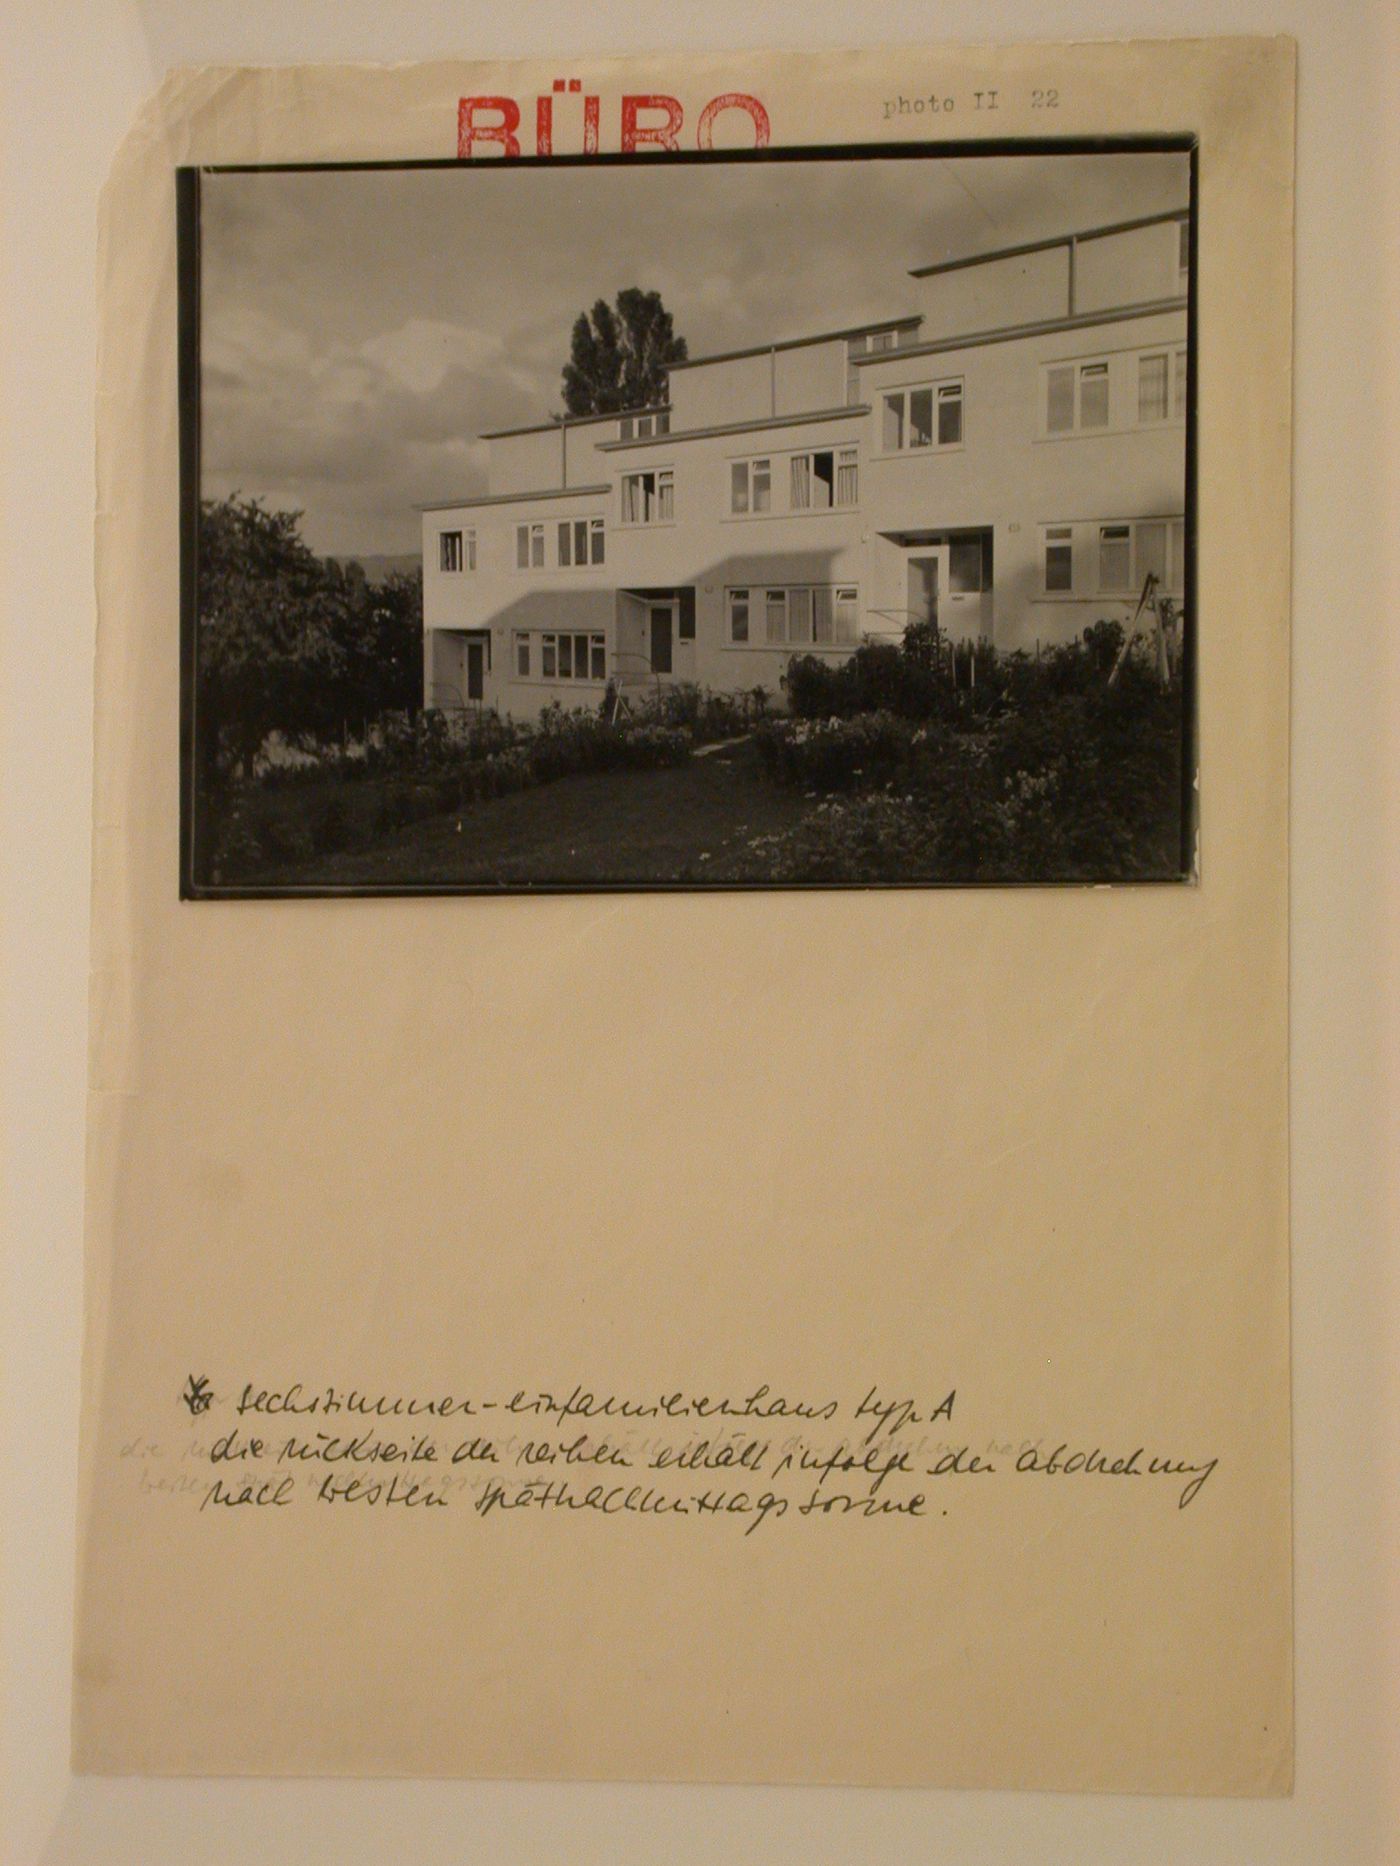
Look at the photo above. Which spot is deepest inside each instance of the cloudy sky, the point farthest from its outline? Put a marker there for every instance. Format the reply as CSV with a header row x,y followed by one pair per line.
x,y
361,328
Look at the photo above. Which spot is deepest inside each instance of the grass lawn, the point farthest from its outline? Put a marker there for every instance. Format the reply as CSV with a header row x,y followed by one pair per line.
x,y
689,823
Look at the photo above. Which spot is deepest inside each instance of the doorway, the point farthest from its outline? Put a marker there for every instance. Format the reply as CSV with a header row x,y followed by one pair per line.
x,y
661,616
476,670
928,583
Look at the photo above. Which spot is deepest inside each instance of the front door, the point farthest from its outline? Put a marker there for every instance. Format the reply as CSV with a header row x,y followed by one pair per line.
x,y
661,618
476,670
928,583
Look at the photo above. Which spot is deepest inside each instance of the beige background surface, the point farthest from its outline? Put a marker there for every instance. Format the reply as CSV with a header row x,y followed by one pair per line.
x,y
998,1822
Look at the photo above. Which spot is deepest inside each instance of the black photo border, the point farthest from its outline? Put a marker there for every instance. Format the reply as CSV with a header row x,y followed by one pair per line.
x,y
188,293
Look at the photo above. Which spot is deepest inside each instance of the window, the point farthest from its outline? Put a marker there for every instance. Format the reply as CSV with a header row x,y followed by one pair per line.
x,y
580,542
847,611
1176,564
522,655
564,657
1059,558
648,498
1126,552
1161,386
1152,386
751,486
1093,395
1076,397
456,551
818,481
529,547
1059,405
1115,558
928,416
819,615
1099,395
799,605
643,427
847,477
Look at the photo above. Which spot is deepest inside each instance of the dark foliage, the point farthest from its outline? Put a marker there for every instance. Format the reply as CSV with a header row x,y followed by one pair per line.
x,y
619,355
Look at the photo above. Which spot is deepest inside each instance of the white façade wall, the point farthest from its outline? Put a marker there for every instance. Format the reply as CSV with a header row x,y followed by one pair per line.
x,y
499,596
1019,289
798,379
1009,474
1140,265
712,549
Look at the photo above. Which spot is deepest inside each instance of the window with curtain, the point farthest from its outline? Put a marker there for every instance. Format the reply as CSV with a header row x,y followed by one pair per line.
x,y
738,615
800,617
847,477
800,482
1152,386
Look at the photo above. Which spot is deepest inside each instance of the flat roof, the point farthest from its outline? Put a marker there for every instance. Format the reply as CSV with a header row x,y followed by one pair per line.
x,y
749,426
572,421
1042,327
509,498
798,343
1058,239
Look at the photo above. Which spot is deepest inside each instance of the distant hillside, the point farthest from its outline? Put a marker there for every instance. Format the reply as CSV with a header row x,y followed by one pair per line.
x,y
378,566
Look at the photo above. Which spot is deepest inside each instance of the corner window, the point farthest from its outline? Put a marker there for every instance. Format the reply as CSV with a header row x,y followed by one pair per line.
x,y
529,547
648,498
930,415
456,551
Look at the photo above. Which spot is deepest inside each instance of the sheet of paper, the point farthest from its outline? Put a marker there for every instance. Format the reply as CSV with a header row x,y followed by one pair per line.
x,y
738,1336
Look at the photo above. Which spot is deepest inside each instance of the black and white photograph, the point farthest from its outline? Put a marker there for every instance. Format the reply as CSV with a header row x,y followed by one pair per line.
x,y
786,519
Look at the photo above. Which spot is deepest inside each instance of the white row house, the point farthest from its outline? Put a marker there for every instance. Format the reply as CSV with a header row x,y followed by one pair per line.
x,y
1008,460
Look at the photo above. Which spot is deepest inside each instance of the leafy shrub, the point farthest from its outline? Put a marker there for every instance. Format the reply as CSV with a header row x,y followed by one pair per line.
x,y
652,747
836,754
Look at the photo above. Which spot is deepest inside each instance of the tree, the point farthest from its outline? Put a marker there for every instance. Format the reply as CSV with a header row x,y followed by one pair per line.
x,y
618,357
270,648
